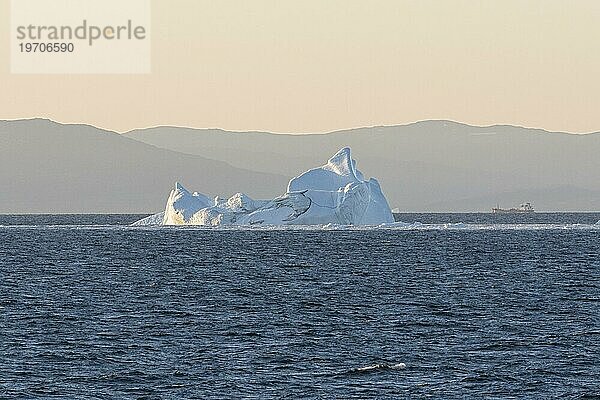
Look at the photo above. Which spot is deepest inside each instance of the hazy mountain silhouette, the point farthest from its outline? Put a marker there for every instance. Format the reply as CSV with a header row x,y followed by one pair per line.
x,y
425,166
55,168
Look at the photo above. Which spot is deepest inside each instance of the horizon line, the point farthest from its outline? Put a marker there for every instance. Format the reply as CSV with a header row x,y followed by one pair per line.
x,y
300,133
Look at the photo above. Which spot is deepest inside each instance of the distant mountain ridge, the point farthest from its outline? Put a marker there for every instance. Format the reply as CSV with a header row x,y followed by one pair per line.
x,y
46,167
425,166
436,166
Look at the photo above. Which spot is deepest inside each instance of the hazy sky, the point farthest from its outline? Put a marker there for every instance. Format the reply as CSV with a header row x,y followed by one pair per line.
x,y
320,65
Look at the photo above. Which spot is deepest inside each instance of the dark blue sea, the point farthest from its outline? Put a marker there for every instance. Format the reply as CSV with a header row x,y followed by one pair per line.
x,y
443,306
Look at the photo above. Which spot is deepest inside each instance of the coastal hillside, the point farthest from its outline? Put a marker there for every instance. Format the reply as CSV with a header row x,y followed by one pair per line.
x,y
431,166
46,167
426,166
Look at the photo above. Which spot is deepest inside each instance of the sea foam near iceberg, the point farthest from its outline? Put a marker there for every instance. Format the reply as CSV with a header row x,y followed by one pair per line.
x,y
397,226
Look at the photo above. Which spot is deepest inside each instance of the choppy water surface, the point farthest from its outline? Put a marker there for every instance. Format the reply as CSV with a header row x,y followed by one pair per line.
x,y
446,306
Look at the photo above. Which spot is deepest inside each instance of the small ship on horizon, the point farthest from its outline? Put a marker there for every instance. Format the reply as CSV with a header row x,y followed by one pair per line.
x,y
523,208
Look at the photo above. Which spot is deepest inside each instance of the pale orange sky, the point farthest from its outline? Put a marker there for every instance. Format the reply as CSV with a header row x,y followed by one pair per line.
x,y
322,65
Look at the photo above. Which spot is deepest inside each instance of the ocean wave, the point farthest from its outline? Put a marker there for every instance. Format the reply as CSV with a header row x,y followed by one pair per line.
x,y
377,367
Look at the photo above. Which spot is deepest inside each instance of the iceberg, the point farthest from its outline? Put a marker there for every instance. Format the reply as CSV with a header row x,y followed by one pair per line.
x,y
335,193
156,219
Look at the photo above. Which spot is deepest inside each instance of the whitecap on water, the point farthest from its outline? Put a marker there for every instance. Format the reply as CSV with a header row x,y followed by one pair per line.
x,y
459,225
378,367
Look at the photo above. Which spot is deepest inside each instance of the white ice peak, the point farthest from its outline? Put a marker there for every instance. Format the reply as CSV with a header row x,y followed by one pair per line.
x,y
335,193
339,171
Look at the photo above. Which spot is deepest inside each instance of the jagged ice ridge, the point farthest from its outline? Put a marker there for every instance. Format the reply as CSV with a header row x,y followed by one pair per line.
x,y
335,193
